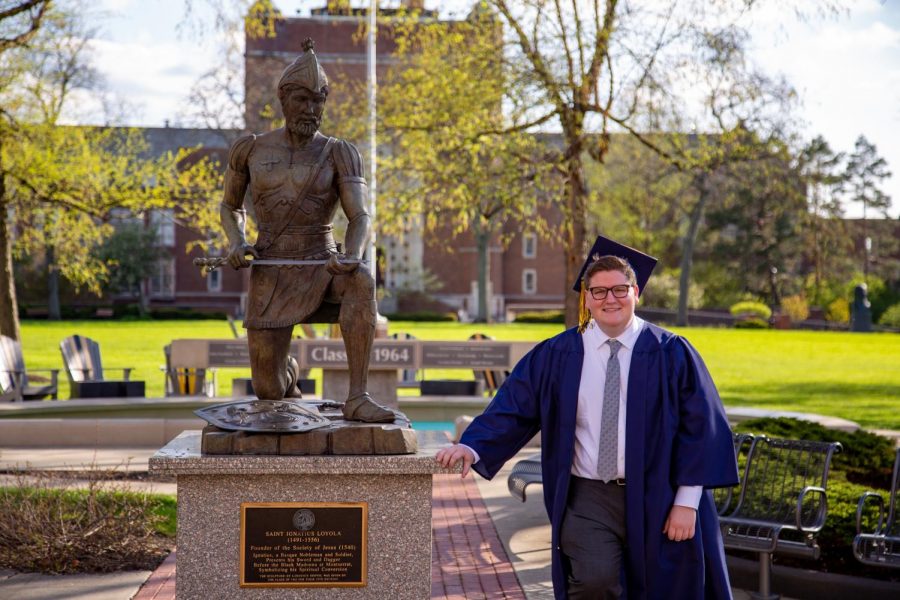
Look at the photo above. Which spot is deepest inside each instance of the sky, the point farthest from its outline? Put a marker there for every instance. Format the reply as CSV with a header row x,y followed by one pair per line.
x,y
846,68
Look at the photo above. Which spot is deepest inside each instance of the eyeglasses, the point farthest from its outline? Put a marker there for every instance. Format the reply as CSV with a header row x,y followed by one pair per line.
x,y
619,291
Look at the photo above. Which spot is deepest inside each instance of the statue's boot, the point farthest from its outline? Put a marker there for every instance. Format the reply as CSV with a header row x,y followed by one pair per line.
x,y
363,408
293,379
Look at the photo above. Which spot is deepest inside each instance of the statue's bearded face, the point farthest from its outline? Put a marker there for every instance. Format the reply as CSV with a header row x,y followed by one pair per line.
x,y
302,110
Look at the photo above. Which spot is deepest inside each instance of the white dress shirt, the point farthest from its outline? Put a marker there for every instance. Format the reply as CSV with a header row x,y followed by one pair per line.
x,y
589,415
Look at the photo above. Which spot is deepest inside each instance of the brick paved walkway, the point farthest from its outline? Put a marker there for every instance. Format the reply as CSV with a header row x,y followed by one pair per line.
x,y
468,562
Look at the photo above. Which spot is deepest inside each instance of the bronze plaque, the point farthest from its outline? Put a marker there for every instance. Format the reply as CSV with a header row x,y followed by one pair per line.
x,y
303,544
483,355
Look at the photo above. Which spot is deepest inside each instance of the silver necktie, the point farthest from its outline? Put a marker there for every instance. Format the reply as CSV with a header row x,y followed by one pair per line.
x,y
607,458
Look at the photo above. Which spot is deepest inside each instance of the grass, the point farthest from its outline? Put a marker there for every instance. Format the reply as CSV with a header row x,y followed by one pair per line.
x,y
848,375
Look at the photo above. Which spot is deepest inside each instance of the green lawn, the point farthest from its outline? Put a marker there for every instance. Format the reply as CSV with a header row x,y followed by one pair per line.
x,y
854,376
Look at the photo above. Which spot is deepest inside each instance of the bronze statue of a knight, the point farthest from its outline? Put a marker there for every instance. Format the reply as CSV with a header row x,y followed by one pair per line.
x,y
297,178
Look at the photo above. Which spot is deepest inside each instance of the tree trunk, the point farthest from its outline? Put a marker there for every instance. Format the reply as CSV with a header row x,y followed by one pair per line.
x,y
687,248
576,194
53,311
9,311
482,241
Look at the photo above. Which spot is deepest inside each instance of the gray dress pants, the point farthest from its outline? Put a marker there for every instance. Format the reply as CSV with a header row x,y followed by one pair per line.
x,y
592,539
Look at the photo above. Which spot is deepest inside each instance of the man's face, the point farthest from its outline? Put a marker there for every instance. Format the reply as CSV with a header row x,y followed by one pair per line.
x,y
302,110
612,314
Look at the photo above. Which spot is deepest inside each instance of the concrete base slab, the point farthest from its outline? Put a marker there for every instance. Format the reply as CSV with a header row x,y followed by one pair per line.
x,y
100,586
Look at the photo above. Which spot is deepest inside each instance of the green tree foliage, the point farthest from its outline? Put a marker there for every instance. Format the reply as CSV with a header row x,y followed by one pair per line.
x,y
451,163
760,221
61,185
131,254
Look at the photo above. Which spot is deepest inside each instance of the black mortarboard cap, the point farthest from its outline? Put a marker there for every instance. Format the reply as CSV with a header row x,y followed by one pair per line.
x,y
641,263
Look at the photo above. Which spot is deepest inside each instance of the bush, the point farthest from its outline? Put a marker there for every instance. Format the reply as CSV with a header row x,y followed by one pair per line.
x,y
866,458
749,308
546,316
891,317
838,311
103,528
796,308
422,315
751,324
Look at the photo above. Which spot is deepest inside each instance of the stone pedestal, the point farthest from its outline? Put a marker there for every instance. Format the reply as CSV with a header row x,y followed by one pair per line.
x,y
382,385
396,490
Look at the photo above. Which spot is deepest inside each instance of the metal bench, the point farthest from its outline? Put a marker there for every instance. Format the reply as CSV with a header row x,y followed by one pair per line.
x,y
726,498
783,503
524,473
881,547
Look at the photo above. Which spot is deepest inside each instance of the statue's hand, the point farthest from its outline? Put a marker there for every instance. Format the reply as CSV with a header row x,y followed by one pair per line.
x,y
237,257
335,267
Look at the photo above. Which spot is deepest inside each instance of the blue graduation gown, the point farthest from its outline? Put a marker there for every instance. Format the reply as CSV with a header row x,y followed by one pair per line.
x,y
676,434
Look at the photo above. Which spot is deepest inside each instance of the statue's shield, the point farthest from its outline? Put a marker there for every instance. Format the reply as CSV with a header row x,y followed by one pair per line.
x,y
271,416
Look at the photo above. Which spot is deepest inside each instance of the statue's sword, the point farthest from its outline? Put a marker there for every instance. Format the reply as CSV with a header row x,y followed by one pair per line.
x,y
211,263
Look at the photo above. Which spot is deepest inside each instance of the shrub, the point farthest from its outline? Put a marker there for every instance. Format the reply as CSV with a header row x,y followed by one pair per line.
x,y
891,317
796,308
101,528
866,458
546,316
838,311
751,324
749,308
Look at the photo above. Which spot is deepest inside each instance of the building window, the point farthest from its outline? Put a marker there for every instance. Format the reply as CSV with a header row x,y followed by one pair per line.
x,y
214,281
163,223
529,281
162,285
529,245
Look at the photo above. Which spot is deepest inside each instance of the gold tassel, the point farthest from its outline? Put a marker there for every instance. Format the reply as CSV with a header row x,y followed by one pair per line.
x,y
584,315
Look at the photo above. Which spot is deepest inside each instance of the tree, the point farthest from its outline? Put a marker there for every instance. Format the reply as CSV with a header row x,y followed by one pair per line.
x,y
865,173
132,254
60,186
822,172
19,23
447,162
759,221
596,68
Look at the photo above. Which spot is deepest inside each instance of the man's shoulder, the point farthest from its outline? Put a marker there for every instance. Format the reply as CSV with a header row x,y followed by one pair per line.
x,y
653,336
568,340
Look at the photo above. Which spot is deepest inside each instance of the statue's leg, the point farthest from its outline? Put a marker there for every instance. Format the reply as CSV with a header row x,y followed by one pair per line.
x,y
269,365
357,321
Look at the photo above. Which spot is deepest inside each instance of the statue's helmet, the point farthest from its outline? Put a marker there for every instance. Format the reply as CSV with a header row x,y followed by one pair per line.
x,y
305,72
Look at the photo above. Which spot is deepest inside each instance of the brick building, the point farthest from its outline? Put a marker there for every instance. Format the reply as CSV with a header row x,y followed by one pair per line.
x,y
179,284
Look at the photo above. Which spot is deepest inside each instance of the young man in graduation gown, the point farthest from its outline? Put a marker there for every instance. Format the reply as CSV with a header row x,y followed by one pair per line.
x,y
633,433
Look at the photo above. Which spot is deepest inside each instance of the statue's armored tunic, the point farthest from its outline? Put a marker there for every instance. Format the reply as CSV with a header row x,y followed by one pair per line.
x,y
282,296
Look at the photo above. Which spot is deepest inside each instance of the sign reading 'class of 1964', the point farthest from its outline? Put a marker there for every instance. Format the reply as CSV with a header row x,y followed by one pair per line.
x,y
303,544
332,354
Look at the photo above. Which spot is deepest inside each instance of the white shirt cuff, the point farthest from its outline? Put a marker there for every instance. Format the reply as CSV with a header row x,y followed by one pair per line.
x,y
689,496
477,458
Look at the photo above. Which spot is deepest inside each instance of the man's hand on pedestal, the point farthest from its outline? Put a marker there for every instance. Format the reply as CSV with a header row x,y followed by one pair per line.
x,y
448,457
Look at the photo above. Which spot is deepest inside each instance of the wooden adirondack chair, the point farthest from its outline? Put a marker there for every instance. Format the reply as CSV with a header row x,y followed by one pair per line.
x,y
17,384
81,357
